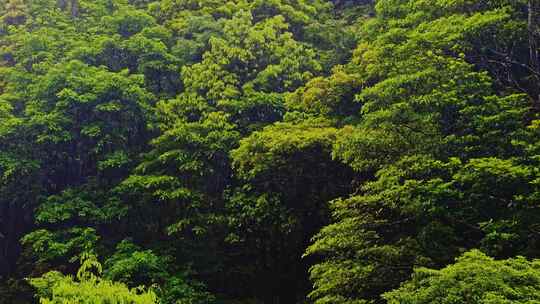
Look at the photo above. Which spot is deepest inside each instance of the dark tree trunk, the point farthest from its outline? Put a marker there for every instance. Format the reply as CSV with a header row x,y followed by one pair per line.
x,y
533,29
62,4
74,8
13,225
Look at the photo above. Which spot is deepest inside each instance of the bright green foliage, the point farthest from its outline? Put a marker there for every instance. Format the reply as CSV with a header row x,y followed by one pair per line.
x,y
248,61
474,277
225,151
299,14
186,167
88,288
70,243
332,96
73,115
78,103
263,58
270,149
435,141
245,71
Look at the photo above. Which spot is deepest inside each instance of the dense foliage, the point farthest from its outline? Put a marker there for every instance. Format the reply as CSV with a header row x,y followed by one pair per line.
x,y
53,287
474,278
277,152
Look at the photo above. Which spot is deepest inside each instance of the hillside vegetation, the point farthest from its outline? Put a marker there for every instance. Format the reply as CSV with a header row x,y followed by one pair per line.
x,y
269,151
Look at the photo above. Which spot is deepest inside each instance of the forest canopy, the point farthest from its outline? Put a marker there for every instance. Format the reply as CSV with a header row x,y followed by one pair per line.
x,y
269,152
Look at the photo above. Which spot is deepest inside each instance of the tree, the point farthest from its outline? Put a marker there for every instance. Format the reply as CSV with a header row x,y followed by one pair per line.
x,y
200,146
474,277
440,173
239,85
136,267
89,288
247,72
288,176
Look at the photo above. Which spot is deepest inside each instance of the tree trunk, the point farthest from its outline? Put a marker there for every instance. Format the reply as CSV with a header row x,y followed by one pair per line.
x,y
74,8
533,29
13,225
62,4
